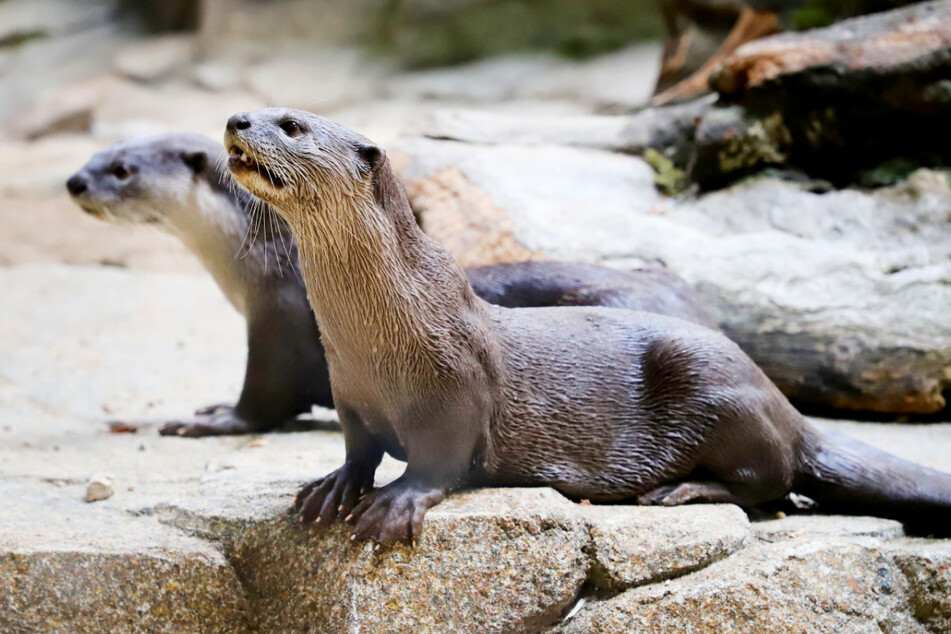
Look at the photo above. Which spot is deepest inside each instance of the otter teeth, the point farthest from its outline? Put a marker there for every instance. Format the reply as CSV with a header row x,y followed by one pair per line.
x,y
241,156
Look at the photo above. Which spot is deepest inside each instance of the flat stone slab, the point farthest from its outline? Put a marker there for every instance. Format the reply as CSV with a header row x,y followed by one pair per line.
x,y
69,566
800,585
198,535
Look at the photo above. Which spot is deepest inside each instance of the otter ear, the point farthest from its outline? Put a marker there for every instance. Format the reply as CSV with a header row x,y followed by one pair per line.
x,y
198,161
373,155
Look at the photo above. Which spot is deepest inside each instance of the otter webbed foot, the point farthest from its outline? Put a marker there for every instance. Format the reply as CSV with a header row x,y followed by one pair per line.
x,y
686,493
322,500
395,512
223,423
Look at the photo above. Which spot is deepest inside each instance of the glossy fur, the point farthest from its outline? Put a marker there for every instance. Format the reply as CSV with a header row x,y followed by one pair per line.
x,y
604,404
177,182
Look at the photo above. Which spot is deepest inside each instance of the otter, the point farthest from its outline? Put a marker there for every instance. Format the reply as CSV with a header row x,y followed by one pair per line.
x,y
604,404
176,182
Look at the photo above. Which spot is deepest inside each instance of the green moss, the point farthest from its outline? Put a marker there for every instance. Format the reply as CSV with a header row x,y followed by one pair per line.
x,y
762,142
812,15
819,13
891,172
421,35
668,179
16,39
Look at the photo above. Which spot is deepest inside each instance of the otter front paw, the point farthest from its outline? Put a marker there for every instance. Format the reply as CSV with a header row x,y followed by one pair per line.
x,y
335,494
394,513
225,423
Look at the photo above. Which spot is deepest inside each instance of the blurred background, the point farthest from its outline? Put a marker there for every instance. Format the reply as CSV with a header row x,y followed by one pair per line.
x,y
79,75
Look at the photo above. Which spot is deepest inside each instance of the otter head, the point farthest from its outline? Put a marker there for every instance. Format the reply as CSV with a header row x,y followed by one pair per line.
x,y
289,157
147,180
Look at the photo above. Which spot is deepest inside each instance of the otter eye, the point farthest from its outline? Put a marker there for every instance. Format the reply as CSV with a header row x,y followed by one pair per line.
x,y
120,172
291,128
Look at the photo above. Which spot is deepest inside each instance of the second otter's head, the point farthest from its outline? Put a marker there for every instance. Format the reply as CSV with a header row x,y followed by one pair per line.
x,y
148,179
288,157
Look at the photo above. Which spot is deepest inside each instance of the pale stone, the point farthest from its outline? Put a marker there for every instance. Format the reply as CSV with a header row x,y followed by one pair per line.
x,y
100,487
156,58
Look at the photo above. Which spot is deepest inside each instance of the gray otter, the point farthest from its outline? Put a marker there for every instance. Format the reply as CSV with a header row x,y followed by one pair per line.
x,y
600,403
175,182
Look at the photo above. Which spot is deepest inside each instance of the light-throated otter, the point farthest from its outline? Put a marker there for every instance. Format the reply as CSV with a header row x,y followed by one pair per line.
x,y
599,403
175,182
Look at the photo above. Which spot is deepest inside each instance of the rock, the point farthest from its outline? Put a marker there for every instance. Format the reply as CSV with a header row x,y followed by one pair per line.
x,y
595,81
884,72
903,42
66,109
467,200
538,77
156,58
667,128
632,546
343,77
838,297
36,169
51,44
831,525
217,75
927,569
464,562
485,81
804,585
128,109
100,487
20,20
459,578
66,566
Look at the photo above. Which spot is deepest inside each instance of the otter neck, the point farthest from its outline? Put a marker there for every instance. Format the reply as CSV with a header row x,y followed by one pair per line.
x,y
214,230
386,296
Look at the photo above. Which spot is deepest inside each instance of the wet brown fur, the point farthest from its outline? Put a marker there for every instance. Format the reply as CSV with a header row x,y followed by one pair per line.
x,y
604,404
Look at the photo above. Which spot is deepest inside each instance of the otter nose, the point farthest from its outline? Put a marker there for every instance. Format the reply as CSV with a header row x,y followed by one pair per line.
x,y
238,122
76,184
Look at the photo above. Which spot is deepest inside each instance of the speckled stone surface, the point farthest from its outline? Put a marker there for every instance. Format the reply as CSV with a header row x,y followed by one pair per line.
x,y
831,525
802,585
631,546
66,567
491,561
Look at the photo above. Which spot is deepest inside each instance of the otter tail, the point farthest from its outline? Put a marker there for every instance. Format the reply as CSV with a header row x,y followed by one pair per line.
x,y
846,476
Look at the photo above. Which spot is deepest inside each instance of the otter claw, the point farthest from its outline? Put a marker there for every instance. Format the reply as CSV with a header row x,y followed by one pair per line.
x,y
395,512
322,500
